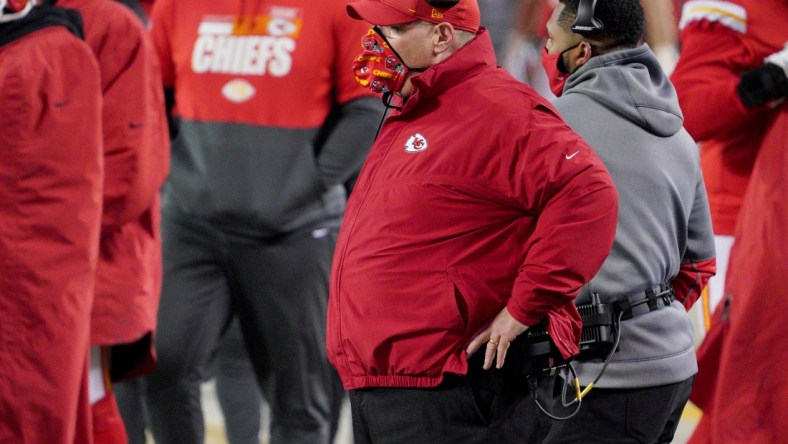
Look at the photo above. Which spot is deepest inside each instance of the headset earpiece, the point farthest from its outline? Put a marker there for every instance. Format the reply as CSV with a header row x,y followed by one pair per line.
x,y
585,23
443,4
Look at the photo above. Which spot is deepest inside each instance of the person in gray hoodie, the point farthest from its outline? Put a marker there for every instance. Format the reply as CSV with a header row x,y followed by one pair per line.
x,y
613,93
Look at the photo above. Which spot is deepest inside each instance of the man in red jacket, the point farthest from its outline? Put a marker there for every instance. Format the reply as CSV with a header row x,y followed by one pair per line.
x,y
727,93
733,98
136,159
50,215
477,215
750,395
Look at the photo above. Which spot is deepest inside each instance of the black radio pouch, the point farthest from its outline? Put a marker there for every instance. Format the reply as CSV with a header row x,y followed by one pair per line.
x,y
535,354
600,323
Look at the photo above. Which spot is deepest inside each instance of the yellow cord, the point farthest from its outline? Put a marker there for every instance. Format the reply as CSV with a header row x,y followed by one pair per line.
x,y
706,307
582,394
585,392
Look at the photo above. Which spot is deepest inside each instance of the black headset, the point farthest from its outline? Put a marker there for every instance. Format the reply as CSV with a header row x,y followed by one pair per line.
x,y
585,23
444,4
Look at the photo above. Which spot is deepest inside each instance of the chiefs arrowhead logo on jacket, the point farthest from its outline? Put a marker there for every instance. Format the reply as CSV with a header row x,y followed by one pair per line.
x,y
416,143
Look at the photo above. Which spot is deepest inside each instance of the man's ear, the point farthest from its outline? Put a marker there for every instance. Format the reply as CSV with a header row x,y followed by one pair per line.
x,y
444,37
584,54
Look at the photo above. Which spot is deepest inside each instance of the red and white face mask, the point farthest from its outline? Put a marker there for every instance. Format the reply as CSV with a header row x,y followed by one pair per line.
x,y
379,67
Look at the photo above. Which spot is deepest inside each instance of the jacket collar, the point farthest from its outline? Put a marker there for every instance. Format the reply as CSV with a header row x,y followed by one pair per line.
x,y
41,17
467,62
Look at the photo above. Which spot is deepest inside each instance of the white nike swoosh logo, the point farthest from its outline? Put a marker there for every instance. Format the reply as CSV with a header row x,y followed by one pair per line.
x,y
573,155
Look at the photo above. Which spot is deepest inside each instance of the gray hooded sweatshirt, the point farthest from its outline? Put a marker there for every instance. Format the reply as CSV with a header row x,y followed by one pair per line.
x,y
623,105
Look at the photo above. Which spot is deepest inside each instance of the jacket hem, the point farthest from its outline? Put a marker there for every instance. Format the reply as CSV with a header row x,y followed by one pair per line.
x,y
393,381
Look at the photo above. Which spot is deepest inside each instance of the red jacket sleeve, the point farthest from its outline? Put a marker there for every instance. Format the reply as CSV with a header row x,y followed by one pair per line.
x,y
692,279
136,142
706,76
570,188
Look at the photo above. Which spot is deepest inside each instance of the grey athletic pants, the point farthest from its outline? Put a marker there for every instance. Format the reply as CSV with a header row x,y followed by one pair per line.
x,y
237,389
278,288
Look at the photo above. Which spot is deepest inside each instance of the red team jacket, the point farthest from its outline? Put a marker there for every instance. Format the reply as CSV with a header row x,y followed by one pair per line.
x,y
136,152
745,164
719,41
475,197
750,403
50,213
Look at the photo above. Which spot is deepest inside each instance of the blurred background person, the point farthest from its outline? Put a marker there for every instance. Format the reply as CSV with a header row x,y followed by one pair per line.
x,y
661,31
254,201
499,16
522,51
709,83
50,216
244,410
749,398
136,162
733,103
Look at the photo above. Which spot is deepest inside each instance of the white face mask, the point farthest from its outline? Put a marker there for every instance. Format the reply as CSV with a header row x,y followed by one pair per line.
x,y
22,7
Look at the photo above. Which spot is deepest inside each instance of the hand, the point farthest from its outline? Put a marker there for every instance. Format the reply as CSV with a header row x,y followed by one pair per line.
x,y
497,337
767,83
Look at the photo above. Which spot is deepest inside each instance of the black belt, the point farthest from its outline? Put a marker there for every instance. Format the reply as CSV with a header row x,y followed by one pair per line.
x,y
656,297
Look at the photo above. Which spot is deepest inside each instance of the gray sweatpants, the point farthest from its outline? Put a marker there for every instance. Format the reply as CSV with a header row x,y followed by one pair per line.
x,y
237,390
279,291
